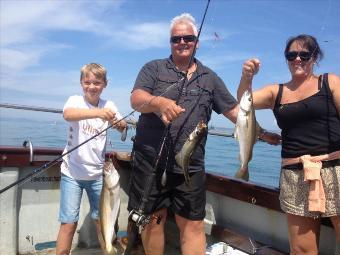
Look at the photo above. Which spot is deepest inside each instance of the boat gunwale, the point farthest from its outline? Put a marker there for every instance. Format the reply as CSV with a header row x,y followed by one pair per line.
x,y
253,193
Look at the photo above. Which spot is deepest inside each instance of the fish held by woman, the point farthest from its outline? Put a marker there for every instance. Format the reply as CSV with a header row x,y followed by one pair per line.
x,y
109,206
246,132
183,156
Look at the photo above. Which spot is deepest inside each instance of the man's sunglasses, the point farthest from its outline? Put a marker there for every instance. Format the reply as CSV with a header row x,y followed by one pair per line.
x,y
186,38
304,55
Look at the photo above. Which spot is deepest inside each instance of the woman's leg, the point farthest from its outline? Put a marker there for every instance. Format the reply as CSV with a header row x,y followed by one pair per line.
x,y
336,223
304,234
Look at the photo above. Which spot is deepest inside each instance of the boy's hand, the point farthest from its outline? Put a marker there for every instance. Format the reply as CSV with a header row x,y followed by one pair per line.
x,y
120,126
107,114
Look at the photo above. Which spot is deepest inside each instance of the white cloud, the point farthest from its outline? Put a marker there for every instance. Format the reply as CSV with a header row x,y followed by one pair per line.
x,y
223,59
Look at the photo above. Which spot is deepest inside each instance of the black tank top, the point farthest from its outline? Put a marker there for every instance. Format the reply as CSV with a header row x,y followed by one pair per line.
x,y
310,126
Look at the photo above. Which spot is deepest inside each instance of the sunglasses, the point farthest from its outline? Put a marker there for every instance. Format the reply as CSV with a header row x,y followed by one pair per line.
x,y
186,38
304,55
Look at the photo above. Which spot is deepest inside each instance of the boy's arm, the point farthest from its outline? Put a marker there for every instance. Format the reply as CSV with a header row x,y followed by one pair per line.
x,y
76,114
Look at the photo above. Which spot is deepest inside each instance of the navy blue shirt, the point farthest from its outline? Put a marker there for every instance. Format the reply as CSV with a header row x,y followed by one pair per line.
x,y
203,93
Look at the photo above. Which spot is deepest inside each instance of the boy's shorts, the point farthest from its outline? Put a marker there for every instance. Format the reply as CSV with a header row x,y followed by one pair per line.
x,y
70,197
186,201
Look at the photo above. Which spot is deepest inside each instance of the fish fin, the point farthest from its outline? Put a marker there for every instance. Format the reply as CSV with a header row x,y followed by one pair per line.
x,y
243,174
235,133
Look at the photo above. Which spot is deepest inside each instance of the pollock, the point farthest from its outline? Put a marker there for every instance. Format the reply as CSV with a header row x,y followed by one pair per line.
x,y
109,207
184,155
246,132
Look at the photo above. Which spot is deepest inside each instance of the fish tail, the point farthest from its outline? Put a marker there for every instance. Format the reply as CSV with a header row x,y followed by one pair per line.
x,y
110,250
243,174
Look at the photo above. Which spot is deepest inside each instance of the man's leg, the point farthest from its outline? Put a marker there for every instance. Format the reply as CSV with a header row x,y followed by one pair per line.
x,y
65,237
192,236
153,235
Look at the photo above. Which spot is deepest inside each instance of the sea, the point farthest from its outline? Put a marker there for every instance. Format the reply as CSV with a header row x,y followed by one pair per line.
x,y
50,130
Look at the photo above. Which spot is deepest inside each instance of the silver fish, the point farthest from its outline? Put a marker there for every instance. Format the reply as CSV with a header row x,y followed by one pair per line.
x,y
246,132
183,156
109,206
124,134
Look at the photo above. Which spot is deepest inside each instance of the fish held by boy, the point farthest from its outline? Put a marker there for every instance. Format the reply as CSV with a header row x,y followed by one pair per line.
x,y
246,132
183,156
109,206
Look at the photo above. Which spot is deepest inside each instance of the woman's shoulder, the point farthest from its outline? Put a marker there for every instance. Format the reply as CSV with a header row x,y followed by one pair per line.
x,y
333,81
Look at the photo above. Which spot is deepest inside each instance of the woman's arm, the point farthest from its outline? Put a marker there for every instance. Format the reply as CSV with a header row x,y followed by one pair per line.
x,y
334,85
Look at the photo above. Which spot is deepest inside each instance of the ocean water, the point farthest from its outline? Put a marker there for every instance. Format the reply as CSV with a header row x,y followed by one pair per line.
x,y
50,130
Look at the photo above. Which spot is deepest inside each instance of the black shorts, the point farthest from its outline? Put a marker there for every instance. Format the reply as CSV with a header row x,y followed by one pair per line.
x,y
187,201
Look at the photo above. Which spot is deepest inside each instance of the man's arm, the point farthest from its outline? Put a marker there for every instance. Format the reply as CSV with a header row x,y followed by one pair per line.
x,y
142,101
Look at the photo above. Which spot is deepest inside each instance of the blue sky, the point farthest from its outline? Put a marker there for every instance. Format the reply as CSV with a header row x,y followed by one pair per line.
x,y
43,44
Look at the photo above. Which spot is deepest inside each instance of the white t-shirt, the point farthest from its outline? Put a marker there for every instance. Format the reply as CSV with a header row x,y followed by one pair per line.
x,y
86,162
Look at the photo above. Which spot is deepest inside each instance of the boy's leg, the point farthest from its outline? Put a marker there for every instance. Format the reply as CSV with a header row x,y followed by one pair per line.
x,y
65,237
70,197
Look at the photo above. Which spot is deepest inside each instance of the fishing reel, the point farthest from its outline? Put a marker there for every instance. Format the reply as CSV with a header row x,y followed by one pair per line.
x,y
141,220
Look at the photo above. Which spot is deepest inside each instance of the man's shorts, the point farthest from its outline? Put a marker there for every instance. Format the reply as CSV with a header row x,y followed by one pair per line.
x,y
185,200
294,191
71,192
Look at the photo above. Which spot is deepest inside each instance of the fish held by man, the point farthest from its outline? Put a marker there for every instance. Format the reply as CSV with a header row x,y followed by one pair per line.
x,y
246,132
183,156
109,207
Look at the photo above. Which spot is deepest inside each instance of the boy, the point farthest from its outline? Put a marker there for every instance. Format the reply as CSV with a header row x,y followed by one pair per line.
x,y
83,168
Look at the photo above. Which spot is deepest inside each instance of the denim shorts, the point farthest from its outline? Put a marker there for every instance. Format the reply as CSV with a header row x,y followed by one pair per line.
x,y
71,192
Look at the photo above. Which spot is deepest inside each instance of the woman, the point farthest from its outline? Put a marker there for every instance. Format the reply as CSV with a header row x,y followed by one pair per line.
x,y
307,110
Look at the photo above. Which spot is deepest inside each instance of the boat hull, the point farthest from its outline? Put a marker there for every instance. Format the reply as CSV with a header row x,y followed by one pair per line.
x,y
245,215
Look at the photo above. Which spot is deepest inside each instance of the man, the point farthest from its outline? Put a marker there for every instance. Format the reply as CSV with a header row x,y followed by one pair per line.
x,y
156,90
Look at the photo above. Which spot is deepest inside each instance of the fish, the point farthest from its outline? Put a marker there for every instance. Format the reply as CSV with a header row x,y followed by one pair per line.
x,y
246,132
183,156
124,134
109,207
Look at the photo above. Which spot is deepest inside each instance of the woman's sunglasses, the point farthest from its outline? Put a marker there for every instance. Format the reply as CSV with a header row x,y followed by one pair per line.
x,y
304,55
186,38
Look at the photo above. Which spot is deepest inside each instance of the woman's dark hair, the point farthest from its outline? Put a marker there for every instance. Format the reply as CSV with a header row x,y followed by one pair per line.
x,y
309,42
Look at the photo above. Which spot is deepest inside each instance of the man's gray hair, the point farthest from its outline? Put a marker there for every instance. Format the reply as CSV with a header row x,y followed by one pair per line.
x,y
184,18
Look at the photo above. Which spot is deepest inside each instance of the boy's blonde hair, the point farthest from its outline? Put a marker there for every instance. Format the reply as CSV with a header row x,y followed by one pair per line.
x,y
184,18
97,70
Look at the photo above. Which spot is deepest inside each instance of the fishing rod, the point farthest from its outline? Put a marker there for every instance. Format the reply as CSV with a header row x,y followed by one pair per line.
x,y
56,160
55,110
138,218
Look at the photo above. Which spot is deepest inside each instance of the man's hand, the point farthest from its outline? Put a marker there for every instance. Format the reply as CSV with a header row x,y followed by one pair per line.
x,y
168,109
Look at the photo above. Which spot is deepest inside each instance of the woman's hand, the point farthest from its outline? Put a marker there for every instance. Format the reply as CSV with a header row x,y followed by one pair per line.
x,y
270,138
